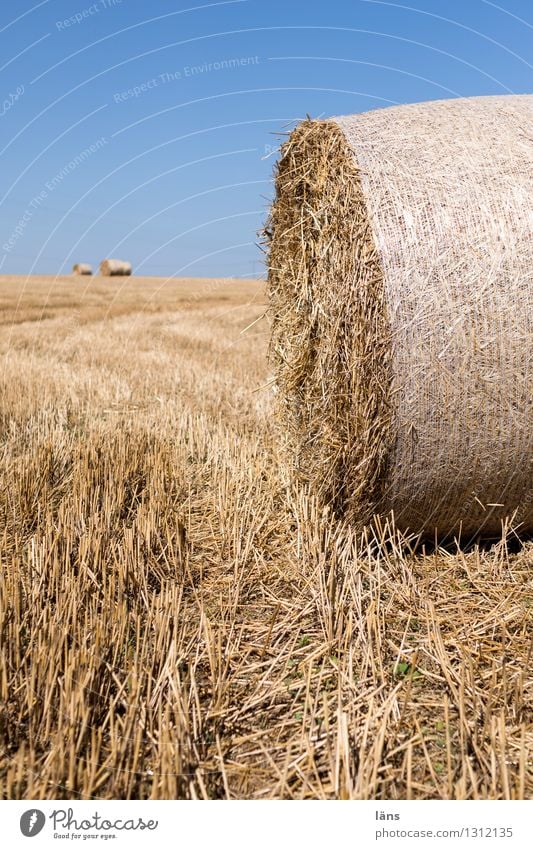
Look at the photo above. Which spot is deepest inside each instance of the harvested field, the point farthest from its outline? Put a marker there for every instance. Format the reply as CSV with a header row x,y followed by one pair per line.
x,y
177,621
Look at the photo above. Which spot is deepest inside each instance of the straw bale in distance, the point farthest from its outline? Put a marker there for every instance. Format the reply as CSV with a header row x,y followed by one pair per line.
x,y
115,268
82,268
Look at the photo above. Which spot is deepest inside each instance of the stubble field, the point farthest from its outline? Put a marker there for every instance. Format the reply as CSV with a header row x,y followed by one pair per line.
x,y
177,621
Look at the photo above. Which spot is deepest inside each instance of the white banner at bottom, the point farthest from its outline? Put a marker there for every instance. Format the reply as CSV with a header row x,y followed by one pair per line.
x,y
267,825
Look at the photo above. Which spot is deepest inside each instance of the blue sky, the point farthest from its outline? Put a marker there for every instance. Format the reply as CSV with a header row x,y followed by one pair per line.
x,y
149,131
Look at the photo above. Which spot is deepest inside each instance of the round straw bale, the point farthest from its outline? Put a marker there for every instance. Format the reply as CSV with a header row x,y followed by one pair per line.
x,y
115,267
400,284
82,268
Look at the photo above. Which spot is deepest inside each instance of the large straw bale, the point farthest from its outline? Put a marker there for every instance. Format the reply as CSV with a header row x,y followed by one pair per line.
x,y
400,281
82,268
115,268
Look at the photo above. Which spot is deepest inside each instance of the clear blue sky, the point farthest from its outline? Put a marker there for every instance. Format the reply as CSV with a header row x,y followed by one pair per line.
x,y
142,130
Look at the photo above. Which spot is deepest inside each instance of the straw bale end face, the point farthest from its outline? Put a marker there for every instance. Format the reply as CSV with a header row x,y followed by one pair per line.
x,y
401,294
330,341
